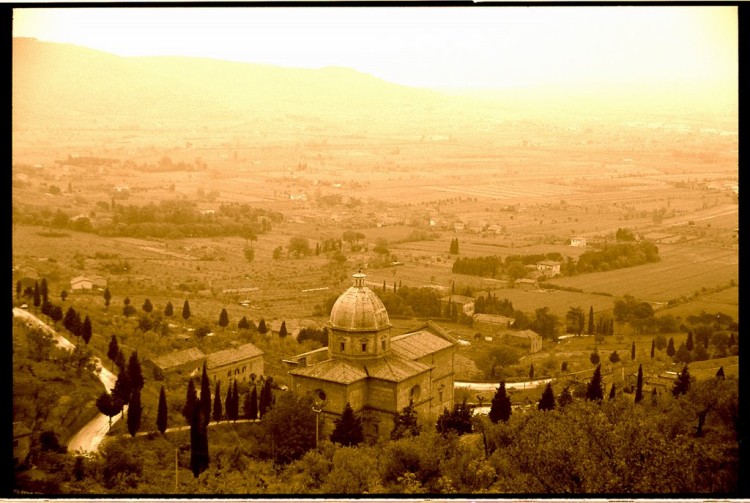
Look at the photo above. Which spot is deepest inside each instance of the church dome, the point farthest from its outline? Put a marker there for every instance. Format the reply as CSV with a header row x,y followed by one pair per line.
x,y
359,310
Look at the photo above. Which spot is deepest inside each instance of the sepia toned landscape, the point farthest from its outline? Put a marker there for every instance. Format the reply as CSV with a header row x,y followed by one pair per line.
x,y
527,290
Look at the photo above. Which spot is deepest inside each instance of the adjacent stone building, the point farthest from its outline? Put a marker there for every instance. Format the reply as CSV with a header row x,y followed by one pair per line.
x,y
235,364
491,324
186,362
376,373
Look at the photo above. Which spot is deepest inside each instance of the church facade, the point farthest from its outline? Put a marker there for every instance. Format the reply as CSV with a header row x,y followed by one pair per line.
x,y
376,373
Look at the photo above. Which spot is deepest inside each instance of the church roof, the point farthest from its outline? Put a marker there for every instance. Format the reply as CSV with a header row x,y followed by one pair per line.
x,y
339,371
229,356
359,309
417,344
393,368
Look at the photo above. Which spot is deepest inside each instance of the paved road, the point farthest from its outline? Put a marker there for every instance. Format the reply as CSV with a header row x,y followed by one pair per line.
x,y
490,386
90,436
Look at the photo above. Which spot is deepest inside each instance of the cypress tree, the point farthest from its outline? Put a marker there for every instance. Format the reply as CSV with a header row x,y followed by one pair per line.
x,y
251,404
43,290
134,372
168,310
186,310
670,347
720,373
632,351
123,389
531,372
107,297
37,295
120,360
348,429
654,396
147,306
190,400
228,403
639,385
652,348
689,342
594,358
500,410
223,318
161,417
262,328
235,403
594,390
682,383
86,330
114,348
265,399
243,324
282,330
405,423
547,402
205,397
134,412
199,458
566,398
218,412
612,392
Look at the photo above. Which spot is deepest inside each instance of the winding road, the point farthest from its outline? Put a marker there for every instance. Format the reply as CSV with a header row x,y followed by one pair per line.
x,y
90,436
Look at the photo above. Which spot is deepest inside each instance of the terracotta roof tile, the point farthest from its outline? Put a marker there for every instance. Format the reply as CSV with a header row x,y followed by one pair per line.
x,y
178,358
415,345
229,356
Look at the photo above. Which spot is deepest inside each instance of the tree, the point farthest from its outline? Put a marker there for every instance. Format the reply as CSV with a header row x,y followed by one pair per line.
x,y
632,351
299,246
134,412
457,421
55,313
123,389
147,306
186,310
594,390
249,253
266,397
120,361
565,398
86,331
19,289
282,330
168,310
37,295
190,401
134,372
405,423
670,347
614,357
107,296
262,328
71,320
223,318
161,416
109,405
277,253
652,347
291,426
43,290
218,412
243,324
114,348
199,456
500,409
63,295
594,358
591,321
720,373
127,309
682,355
612,392
235,412
639,385
547,402
205,398
251,404
689,342
348,428
531,372
682,382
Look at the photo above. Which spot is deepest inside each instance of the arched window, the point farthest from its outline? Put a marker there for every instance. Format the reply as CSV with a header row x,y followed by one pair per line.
x,y
229,374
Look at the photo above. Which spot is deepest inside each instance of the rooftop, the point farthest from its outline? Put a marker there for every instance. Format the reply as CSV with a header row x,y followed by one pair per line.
x,y
178,358
229,356
359,309
417,344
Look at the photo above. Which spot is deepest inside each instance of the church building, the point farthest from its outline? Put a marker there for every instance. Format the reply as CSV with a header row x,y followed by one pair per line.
x,y
377,373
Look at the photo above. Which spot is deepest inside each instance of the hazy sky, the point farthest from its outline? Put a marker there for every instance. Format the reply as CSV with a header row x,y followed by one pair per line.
x,y
469,47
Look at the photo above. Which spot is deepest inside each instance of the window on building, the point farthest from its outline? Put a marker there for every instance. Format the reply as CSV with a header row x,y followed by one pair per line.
x,y
440,396
342,346
382,345
364,347
244,367
229,374
236,371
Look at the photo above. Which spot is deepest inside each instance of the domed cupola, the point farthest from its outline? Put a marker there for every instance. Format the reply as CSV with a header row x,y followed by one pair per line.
x,y
359,323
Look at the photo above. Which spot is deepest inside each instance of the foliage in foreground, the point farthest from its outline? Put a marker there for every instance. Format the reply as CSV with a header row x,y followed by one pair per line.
x,y
686,444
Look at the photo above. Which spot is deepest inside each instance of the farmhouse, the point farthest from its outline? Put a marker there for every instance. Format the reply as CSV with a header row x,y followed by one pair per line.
x,y
491,324
187,361
88,283
549,268
463,304
235,364
526,283
578,242
376,373
527,339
